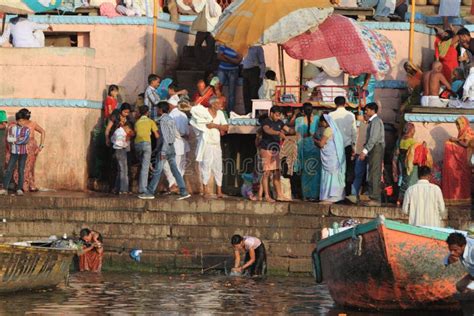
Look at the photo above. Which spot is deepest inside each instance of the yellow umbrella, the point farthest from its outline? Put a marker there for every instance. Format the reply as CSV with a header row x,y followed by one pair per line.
x,y
14,7
258,22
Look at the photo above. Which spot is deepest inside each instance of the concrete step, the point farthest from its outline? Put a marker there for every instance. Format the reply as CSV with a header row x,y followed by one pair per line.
x,y
27,229
432,10
172,263
156,218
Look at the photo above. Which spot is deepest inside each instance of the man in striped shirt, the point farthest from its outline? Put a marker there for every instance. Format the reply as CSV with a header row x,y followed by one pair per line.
x,y
228,72
167,152
18,136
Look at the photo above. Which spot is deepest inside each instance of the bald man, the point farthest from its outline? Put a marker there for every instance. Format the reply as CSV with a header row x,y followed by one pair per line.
x,y
433,80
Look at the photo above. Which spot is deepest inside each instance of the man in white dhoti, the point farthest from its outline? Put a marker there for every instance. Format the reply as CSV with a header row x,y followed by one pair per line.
x,y
424,201
210,123
181,144
25,33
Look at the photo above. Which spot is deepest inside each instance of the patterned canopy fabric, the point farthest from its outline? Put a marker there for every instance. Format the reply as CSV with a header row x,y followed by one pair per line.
x,y
257,22
357,49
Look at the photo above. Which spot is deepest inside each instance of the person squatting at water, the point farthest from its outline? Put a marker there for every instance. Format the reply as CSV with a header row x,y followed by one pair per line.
x,y
92,251
255,261
461,249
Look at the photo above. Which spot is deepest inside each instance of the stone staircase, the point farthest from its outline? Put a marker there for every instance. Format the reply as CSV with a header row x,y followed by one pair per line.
x,y
180,236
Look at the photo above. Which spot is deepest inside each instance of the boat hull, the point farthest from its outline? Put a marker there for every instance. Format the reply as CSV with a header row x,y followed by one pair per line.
x,y
386,268
32,268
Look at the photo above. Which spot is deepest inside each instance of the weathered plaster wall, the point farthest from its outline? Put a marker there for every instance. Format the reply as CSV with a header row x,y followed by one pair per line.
x,y
63,163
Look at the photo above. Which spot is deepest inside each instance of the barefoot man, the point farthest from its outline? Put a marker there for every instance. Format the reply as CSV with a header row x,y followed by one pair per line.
x,y
432,82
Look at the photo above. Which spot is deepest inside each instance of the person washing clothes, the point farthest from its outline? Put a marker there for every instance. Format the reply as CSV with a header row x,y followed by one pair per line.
x,y
255,261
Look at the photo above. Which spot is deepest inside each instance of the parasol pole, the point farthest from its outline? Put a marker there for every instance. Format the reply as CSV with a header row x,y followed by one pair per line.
x,y
3,23
412,31
281,64
155,25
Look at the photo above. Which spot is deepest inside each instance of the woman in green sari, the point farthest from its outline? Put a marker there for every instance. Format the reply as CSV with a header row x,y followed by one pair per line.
x,y
309,157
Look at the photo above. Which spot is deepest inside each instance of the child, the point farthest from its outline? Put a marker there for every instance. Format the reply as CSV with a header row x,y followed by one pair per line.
x,y
268,87
458,83
250,186
18,136
110,103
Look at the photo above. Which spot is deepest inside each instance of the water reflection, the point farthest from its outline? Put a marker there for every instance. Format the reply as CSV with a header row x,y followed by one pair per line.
x,y
120,293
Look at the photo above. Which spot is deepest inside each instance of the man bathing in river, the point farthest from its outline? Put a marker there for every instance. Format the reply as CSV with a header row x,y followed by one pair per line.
x,y
462,249
432,82
255,261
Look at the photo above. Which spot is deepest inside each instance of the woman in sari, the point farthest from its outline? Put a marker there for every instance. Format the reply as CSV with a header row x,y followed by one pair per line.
x,y
309,157
446,52
409,155
456,174
33,149
92,254
400,159
333,161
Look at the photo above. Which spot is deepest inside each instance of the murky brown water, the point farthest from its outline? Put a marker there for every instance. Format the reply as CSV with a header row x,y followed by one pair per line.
x,y
139,293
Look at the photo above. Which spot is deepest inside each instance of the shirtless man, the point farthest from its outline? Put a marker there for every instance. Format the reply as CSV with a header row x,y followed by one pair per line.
x,y
432,82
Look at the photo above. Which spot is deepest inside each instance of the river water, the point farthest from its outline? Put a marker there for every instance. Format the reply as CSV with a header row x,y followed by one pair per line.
x,y
115,293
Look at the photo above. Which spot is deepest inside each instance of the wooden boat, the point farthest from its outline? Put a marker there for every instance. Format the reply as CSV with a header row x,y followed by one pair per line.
x,y
387,265
24,266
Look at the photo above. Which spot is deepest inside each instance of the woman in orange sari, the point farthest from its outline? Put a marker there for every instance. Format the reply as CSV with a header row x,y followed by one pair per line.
x,y
456,174
92,253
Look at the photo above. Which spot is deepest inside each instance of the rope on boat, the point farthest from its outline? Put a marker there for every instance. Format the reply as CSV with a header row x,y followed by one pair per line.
x,y
357,239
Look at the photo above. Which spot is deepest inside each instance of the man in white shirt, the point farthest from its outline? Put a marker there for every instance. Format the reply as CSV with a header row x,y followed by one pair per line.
x,y
424,202
25,33
346,122
209,151
461,249
208,13
181,144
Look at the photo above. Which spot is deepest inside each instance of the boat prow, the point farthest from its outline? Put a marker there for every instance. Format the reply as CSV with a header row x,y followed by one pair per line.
x,y
24,266
387,265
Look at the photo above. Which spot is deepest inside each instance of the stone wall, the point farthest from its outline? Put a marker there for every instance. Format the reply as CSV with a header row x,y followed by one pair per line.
x,y
174,236
187,235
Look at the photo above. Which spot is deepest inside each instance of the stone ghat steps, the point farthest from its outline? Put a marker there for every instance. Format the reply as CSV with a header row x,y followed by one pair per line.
x,y
180,262
168,218
196,204
193,247
191,234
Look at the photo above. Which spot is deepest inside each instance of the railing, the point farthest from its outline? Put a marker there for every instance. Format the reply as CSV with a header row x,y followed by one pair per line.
x,y
319,96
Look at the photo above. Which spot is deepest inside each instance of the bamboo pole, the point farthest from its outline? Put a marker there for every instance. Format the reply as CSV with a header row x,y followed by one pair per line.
x,y
412,31
155,26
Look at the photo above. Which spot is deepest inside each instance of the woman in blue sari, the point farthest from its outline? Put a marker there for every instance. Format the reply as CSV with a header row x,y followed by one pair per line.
x,y
333,161
309,159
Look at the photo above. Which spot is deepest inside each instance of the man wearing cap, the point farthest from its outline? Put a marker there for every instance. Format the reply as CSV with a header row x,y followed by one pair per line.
x,y
167,153
181,145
